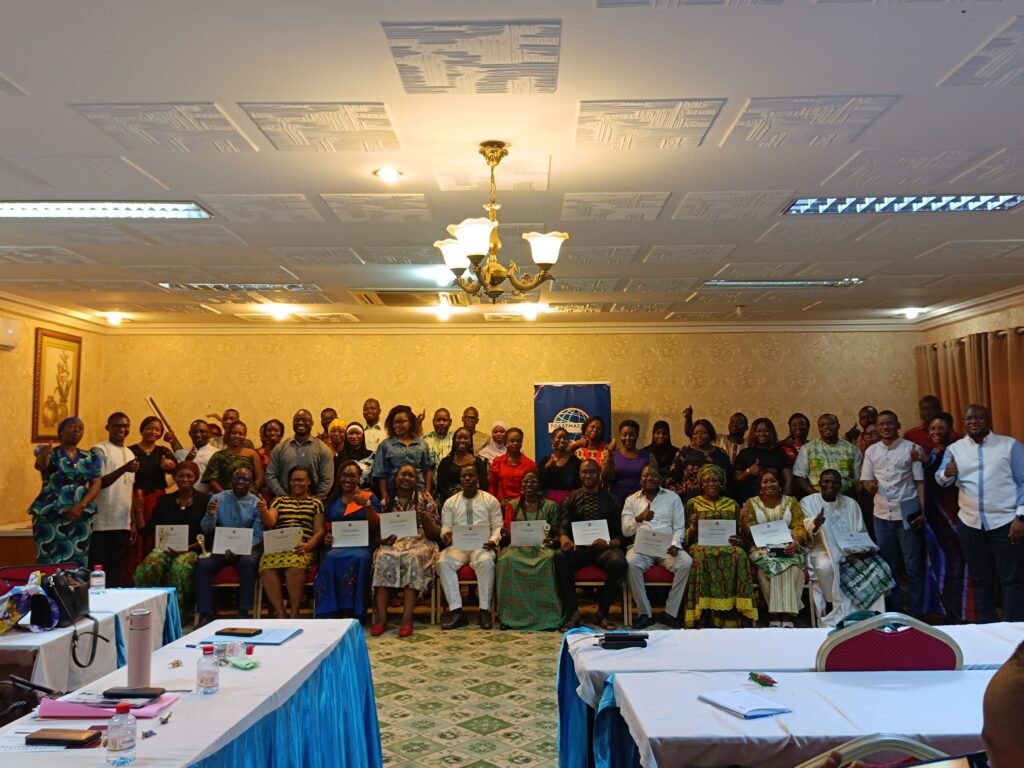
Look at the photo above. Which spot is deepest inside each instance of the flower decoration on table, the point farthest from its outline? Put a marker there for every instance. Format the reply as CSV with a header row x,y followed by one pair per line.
x,y
762,679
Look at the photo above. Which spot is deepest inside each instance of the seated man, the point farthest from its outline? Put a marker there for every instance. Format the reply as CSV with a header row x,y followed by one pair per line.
x,y
590,503
237,508
470,506
661,511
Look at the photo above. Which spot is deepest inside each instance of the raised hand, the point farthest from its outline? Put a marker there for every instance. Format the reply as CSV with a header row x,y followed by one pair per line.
x,y
754,470
212,508
688,412
916,454
951,467
132,466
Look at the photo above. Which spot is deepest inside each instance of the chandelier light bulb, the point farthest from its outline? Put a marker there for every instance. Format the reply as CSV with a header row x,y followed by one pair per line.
x,y
454,255
545,247
474,235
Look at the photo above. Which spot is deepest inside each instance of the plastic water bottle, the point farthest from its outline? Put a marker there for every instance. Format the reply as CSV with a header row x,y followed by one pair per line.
x,y
97,580
208,672
122,732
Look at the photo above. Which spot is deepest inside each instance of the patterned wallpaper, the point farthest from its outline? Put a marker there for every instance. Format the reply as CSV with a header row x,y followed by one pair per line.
x,y
652,376
1012,317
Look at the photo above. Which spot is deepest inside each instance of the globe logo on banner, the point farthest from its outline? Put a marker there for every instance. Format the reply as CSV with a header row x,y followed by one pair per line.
x,y
571,420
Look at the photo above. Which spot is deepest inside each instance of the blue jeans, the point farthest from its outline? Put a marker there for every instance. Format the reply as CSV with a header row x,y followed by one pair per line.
x,y
893,538
992,560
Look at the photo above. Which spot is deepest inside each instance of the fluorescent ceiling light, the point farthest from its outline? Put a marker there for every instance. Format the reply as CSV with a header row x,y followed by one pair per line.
x,y
846,282
810,206
911,313
242,287
388,174
84,209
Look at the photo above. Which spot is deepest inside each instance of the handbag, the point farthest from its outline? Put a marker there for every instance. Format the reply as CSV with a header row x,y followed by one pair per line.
x,y
69,590
18,697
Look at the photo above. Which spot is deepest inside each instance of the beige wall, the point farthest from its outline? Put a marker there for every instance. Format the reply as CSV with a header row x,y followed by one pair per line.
x,y
652,376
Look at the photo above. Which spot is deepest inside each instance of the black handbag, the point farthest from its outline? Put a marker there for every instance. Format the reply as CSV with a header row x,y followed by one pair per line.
x,y
69,590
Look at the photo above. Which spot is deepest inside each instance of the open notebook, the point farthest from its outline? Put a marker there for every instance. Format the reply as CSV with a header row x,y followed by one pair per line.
x,y
743,703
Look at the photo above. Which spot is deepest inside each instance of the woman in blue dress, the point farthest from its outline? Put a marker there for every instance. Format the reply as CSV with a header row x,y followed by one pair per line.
x,y
343,581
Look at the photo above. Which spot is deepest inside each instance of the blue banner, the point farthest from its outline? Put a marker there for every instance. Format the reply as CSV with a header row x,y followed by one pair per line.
x,y
568,406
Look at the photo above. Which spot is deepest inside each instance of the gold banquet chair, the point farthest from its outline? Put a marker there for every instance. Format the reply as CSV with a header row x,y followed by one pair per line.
x,y
865,746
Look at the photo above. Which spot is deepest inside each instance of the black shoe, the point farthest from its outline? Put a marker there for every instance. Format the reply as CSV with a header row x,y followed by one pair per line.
x,y
642,621
485,620
456,619
503,626
572,622
670,621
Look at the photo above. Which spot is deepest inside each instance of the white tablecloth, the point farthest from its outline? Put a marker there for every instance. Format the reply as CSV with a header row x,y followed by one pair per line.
x,y
122,602
672,728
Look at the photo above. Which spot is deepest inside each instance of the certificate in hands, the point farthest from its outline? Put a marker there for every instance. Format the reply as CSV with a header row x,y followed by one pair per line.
x,y
350,533
235,540
715,533
651,543
470,537
281,540
854,542
172,537
586,532
398,524
528,533
773,534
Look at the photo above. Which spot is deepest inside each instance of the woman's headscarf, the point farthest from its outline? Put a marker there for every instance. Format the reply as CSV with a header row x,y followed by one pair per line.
x,y
68,420
663,455
491,451
347,451
711,470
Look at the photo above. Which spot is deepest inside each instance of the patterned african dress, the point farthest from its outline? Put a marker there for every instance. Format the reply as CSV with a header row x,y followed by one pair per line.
x,y
409,562
720,581
174,569
222,466
527,597
59,540
293,513
781,576
343,581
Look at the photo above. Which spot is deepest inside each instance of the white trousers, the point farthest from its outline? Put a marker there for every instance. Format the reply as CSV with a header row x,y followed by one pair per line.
x,y
638,564
482,563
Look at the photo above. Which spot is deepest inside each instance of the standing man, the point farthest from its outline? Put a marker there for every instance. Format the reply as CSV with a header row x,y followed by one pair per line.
x,y
470,418
301,450
201,451
373,432
439,442
229,417
866,417
113,527
928,408
827,452
732,441
327,415
893,473
989,470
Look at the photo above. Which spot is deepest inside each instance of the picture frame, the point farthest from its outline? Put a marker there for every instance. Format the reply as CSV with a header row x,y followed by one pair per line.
x,y
56,381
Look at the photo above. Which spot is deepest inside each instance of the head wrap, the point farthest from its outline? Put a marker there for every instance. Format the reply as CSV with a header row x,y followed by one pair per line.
x,y
336,423
663,455
711,470
191,466
68,420
492,450
353,425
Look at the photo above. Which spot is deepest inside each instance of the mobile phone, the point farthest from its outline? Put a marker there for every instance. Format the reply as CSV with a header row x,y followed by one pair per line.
x,y
973,760
239,631
62,737
134,693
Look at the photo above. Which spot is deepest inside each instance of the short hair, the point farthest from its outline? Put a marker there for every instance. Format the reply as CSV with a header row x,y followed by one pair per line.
x,y
245,469
829,416
776,473
197,421
590,461
889,413
945,416
234,425
931,399
414,424
773,435
832,473
556,430
798,415
280,424
514,429
325,410
149,420
117,415
708,426
651,466
469,434
590,420
630,423
301,468
472,465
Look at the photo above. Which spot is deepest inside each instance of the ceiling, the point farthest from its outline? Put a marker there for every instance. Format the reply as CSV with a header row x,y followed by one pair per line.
x,y
665,136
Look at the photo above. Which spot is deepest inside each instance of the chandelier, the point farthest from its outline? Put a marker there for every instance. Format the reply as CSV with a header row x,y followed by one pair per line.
x,y
477,239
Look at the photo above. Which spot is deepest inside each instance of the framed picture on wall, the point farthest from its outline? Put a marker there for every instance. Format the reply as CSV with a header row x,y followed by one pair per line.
x,y
55,381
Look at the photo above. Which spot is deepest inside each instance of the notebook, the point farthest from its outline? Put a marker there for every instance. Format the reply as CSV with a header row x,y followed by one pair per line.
x,y
743,703
266,637
62,708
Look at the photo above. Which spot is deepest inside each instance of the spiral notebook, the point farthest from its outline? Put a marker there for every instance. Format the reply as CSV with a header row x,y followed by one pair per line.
x,y
743,703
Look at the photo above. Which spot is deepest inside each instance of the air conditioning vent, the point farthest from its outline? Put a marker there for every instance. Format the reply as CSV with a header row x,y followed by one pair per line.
x,y
503,317
385,298
242,287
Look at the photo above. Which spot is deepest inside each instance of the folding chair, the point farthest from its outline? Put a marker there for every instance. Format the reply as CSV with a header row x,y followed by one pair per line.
x,y
865,746
888,642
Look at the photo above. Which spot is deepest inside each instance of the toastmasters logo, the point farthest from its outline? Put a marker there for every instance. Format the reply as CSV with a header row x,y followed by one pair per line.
x,y
571,420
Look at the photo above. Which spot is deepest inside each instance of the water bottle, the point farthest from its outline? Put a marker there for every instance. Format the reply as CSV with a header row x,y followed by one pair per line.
x,y
97,580
208,672
122,732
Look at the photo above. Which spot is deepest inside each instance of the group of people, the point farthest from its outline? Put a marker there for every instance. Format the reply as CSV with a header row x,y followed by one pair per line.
x,y
940,513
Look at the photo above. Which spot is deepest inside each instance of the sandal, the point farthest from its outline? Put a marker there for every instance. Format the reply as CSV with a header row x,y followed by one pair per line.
x,y
604,622
572,622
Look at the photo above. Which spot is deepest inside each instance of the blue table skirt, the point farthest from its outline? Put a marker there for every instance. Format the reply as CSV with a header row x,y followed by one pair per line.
x,y
330,721
172,625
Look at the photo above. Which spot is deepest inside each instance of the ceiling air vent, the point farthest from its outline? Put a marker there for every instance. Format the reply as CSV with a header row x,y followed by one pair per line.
x,y
386,298
242,287
503,317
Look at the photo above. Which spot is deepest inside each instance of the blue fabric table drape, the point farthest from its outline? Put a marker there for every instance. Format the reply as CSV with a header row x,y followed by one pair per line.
x,y
613,744
575,718
172,625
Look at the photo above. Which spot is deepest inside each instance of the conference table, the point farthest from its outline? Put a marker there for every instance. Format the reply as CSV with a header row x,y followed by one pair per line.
x,y
310,702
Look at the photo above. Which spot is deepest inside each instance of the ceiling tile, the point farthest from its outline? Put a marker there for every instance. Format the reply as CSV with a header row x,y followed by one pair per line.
x,y
837,270
221,297
78,233
466,173
584,307
34,254
169,273
659,307
325,318
1001,168
998,62
724,298
513,57
693,256
10,88
113,306
185,127
584,285
185,233
746,205
400,254
249,273
256,317
646,123
766,270
659,285
812,121
33,286
882,283
325,127
586,255
97,175
967,251
300,256
298,297
696,317
183,309
817,229
385,208
925,226
263,209
118,286
613,206
975,284
901,167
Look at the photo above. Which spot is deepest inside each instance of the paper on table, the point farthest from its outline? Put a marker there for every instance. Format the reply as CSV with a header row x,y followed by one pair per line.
x,y
586,532
56,708
715,533
528,533
398,524
651,543
773,534
238,540
172,537
281,540
350,533
470,537
743,703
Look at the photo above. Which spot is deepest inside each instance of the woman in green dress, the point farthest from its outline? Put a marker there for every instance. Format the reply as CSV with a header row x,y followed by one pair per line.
x,y
720,591
527,598
223,463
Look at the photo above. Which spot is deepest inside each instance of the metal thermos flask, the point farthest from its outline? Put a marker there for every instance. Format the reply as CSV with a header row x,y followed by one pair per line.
x,y
140,647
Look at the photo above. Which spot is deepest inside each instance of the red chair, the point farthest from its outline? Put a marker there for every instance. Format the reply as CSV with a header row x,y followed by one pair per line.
x,y
228,578
888,642
12,576
655,576
592,576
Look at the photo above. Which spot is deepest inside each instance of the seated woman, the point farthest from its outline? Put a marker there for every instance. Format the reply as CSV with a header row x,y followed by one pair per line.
x,y
762,451
685,470
623,462
780,571
527,597
407,563
342,581
496,446
223,463
559,472
591,444
450,468
166,567
296,510
507,470
720,582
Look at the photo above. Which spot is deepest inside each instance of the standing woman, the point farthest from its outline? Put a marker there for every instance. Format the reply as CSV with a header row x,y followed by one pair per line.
x,y
623,462
402,446
271,433
336,438
62,512
296,510
223,463
355,450
684,471
559,472
496,446
761,452
591,444
450,468
527,598
799,428
507,470
155,461
661,450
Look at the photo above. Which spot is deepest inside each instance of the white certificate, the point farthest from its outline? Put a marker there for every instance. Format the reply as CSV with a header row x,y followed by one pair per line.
x,y
651,543
236,540
715,533
172,537
853,542
350,533
281,540
398,524
528,533
586,532
773,534
470,537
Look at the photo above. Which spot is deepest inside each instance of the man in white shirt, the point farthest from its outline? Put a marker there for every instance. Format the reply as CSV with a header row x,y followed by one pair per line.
x,y
661,511
113,529
892,471
373,432
201,451
469,507
989,470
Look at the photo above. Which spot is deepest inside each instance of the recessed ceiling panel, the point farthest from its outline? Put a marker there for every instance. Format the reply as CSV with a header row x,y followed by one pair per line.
x,y
183,309
901,167
222,297
810,121
926,226
96,175
325,318
317,257
838,270
32,254
78,233
814,230
646,123
957,285
113,306
185,233
660,285
740,206
584,285
884,283
400,254
326,127
765,270
10,88
298,297
613,206
36,286
724,298
638,307
968,251
999,170
513,57
586,255
118,286
185,127
584,307
263,209
521,173
395,209
169,273
249,273
691,256
997,63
